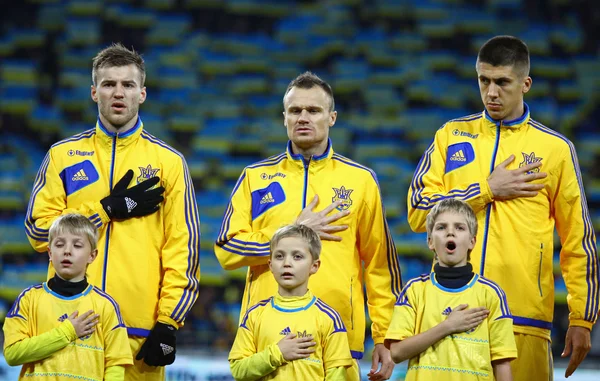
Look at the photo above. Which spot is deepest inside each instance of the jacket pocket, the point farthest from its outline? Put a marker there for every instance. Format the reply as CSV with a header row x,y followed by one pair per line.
x,y
351,304
539,273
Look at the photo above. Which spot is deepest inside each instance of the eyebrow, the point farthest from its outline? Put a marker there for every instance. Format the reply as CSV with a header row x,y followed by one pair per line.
x,y
503,78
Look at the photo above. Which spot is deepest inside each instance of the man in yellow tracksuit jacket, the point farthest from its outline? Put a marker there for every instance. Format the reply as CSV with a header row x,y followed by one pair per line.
x,y
278,191
494,161
148,258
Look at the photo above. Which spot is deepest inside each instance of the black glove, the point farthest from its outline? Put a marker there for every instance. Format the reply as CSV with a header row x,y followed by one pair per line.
x,y
136,201
159,347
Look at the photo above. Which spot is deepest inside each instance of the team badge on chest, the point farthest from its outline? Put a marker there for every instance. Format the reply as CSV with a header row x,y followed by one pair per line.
x,y
343,194
146,173
530,159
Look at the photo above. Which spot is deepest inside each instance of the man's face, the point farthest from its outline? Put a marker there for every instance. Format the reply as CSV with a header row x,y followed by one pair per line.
x,y
119,93
70,255
451,239
307,117
502,89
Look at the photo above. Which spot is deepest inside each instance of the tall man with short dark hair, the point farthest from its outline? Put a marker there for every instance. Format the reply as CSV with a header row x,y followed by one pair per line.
x,y
523,181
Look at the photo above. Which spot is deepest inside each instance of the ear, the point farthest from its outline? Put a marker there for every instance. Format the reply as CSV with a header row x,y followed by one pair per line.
x,y
430,243
526,85
472,242
269,263
94,94
332,118
143,95
93,256
315,266
49,254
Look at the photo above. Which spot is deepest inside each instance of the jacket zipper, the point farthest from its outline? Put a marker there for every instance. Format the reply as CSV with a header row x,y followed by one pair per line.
x,y
488,210
109,225
351,304
540,268
251,275
306,164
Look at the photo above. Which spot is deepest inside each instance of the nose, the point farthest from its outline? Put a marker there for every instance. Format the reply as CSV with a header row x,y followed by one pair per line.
x,y
303,118
492,90
67,251
119,92
287,262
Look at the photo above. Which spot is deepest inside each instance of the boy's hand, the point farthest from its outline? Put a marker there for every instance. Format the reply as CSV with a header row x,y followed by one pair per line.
x,y
294,348
462,319
84,324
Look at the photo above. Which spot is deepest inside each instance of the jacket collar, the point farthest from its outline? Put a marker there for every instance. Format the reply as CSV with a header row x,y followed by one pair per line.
x,y
315,162
123,139
515,123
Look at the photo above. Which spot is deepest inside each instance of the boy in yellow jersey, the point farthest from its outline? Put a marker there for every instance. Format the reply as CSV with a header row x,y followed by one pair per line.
x,y
432,324
44,330
314,345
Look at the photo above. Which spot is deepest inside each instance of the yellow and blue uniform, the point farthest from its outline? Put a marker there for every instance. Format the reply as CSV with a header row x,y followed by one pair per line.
x,y
424,303
38,334
163,248
515,242
256,355
271,194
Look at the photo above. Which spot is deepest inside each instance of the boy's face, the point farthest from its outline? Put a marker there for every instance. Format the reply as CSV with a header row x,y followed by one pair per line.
x,y
291,264
70,255
451,239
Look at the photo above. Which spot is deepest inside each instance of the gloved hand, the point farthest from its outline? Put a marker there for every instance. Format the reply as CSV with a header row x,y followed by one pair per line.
x,y
159,347
136,201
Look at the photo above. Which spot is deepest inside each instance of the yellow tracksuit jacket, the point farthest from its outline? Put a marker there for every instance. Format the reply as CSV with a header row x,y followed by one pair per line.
x,y
515,239
149,265
272,193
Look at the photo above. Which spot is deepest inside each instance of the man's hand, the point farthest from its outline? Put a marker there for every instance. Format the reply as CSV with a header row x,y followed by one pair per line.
x,y
507,184
293,348
320,223
84,324
159,347
577,344
462,319
381,355
136,201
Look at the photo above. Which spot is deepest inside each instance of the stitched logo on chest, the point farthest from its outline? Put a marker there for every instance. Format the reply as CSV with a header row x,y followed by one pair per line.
x,y
343,195
530,159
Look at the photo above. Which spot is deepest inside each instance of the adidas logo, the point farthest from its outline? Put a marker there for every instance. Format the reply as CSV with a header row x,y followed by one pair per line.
x,y
80,175
63,317
267,199
447,311
286,331
166,349
130,204
458,156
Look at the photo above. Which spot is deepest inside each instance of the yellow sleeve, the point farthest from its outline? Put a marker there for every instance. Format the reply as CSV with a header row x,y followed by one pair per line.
x,y
48,201
181,251
378,252
245,363
20,347
336,374
117,351
238,244
500,325
427,185
404,317
114,373
336,351
578,255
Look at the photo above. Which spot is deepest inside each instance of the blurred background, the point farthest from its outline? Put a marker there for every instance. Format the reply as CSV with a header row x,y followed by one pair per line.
x,y
216,74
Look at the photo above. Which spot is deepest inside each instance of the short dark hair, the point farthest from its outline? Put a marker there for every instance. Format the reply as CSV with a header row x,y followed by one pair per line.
x,y
308,80
506,51
118,55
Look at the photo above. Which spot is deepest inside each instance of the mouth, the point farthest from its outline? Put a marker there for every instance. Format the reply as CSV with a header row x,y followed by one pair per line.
x,y
303,130
450,246
66,263
118,106
287,275
494,106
